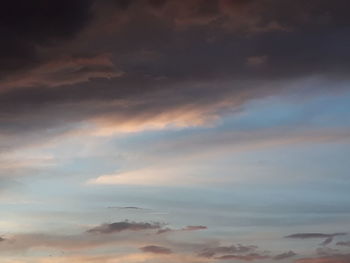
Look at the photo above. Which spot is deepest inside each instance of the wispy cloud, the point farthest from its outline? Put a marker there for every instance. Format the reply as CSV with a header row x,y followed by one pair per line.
x,y
328,237
314,235
328,259
285,255
187,228
239,249
343,243
156,250
248,257
123,226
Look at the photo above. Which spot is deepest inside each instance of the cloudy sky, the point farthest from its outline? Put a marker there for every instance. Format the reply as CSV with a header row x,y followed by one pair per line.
x,y
173,131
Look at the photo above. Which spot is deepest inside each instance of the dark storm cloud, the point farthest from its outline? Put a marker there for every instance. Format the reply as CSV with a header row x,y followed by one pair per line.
x,y
156,250
72,61
123,226
232,32
285,30
25,25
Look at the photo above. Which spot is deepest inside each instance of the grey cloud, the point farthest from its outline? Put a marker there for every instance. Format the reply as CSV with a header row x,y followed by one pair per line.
x,y
336,258
187,228
123,226
327,241
343,243
314,235
328,237
285,255
156,250
126,207
194,228
248,257
85,241
165,230
239,249
326,251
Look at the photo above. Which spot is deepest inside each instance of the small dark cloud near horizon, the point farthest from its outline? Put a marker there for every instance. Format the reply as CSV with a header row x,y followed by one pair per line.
x,y
247,257
194,228
327,251
124,226
187,228
233,249
329,256
126,207
314,235
327,241
328,237
156,250
343,243
285,255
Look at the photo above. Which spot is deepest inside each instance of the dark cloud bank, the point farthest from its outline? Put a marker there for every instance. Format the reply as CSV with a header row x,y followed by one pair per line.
x,y
72,61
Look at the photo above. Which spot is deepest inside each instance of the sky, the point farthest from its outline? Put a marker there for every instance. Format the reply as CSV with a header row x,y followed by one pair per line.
x,y
168,131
